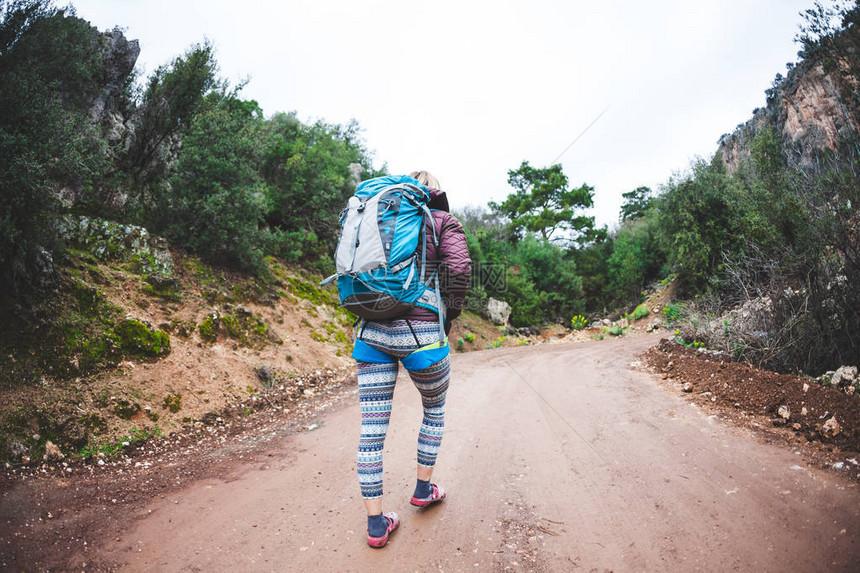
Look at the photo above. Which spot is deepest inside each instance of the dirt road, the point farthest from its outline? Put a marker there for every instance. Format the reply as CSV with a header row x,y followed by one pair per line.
x,y
556,458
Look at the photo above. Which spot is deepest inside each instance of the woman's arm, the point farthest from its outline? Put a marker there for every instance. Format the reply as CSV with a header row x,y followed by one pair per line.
x,y
456,266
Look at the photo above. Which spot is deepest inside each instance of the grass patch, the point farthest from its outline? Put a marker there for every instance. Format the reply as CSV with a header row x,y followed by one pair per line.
x,y
113,447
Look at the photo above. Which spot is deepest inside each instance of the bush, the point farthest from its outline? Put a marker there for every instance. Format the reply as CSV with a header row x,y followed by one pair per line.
x,y
701,218
553,273
527,305
640,312
672,313
637,256
310,171
216,208
50,64
173,97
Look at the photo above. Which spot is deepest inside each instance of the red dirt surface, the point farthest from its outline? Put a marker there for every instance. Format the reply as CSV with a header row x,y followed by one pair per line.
x,y
648,484
752,397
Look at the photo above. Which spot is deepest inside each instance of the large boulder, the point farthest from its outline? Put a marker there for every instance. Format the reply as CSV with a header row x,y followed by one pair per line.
x,y
845,377
498,311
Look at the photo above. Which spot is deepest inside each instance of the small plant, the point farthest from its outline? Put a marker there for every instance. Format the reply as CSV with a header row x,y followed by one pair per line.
x,y
672,313
173,402
615,330
318,337
460,344
469,337
640,312
578,322
265,374
209,327
126,409
695,344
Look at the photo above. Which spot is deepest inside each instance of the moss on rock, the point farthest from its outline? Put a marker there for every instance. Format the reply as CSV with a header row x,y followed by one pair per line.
x,y
139,339
209,328
240,324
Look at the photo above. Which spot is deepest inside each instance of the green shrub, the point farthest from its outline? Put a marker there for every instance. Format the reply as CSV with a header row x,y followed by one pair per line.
x,y
578,322
51,64
672,313
209,328
640,312
636,258
216,207
695,344
307,169
242,326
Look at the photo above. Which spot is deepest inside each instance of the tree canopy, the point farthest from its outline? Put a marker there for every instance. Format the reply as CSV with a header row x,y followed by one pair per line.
x,y
542,203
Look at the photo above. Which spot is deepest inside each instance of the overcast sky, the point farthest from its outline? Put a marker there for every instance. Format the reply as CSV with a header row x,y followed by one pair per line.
x,y
469,89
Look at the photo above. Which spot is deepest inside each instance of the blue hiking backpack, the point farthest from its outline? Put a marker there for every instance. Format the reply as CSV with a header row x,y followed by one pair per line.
x,y
381,256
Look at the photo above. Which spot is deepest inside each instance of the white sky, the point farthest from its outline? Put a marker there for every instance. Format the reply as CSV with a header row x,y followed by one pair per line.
x,y
469,89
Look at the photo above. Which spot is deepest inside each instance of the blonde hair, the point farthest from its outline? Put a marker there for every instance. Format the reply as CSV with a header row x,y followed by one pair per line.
x,y
425,178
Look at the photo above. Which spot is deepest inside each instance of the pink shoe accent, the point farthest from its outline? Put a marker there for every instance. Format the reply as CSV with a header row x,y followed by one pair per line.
x,y
437,494
393,523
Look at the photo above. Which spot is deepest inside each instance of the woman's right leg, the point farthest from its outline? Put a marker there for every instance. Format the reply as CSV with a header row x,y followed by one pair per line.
x,y
375,395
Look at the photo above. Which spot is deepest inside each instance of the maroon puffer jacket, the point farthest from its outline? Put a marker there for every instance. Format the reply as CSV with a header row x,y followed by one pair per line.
x,y
452,255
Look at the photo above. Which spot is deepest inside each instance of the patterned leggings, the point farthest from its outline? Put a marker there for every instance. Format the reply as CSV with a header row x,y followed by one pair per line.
x,y
383,344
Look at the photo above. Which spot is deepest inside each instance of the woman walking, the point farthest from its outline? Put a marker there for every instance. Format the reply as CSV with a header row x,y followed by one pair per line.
x,y
414,340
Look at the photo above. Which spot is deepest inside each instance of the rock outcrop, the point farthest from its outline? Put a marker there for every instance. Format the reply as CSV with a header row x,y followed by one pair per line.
x,y
811,109
120,55
111,241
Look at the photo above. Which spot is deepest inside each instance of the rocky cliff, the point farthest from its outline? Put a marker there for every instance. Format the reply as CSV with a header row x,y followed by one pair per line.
x,y
812,109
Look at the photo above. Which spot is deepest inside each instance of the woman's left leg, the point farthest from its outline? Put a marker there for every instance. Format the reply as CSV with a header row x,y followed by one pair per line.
x,y
432,383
